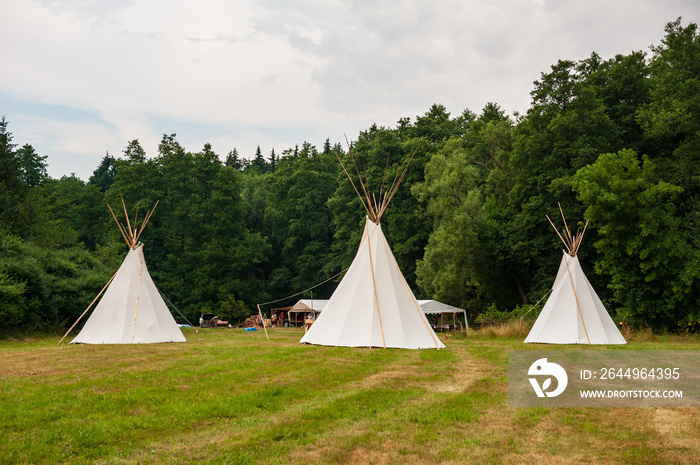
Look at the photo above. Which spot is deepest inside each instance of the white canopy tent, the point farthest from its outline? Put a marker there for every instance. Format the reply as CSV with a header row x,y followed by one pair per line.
x,y
428,307
308,306
435,307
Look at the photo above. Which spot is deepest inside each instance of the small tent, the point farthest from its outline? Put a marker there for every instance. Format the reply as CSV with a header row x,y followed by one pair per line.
x,y
131,310
432,307
299,311
429,307
308,306
573,314
373,305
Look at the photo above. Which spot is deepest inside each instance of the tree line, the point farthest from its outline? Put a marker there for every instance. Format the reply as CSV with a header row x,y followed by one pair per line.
x,y
616,142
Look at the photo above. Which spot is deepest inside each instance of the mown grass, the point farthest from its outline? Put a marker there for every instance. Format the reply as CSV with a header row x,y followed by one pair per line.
x,y
228,396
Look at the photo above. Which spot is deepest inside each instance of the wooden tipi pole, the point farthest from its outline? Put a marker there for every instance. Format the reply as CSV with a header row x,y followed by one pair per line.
x,y
128,224
576,297
138,293
121,228
263,321
145,221
374,286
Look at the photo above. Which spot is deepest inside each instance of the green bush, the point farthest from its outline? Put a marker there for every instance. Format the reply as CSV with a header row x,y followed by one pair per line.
x,y
43,289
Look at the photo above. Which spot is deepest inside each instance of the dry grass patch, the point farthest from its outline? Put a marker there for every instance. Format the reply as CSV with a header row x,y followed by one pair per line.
x,y
679,428
390,376
504,330
463,373
82,361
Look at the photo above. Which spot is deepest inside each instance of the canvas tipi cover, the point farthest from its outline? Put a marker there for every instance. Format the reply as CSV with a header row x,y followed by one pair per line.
x,y
131,310
373,305
573,313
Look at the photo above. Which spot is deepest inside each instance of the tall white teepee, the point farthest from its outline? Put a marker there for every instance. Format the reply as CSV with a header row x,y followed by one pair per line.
x,y
573,313
131,310
373,305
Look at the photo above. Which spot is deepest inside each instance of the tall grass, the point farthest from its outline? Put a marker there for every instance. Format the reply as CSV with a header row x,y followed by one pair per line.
x,y
228,396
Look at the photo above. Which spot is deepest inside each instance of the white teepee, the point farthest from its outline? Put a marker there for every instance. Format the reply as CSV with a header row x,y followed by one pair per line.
x,y
373,305
573,313
131,310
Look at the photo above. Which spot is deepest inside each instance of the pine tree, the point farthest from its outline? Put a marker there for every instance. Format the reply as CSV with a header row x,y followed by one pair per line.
x,y
12,190
10,173
273,159
103,176
233,160
32,165
259,162
135,153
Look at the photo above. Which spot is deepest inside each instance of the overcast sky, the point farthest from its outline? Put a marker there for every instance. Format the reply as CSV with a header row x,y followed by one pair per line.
x,y
79,78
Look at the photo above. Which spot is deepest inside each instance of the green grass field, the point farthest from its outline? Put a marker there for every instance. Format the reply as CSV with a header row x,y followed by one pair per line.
x,y
229,396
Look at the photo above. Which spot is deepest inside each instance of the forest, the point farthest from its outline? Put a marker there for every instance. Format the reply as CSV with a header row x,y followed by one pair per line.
x,y
615,142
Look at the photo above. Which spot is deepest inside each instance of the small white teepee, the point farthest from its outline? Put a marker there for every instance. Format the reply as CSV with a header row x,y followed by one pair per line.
x,y
573,313
373,305
131,310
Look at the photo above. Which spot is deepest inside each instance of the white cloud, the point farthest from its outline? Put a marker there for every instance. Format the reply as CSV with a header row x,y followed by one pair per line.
x,y
275,73
72,143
